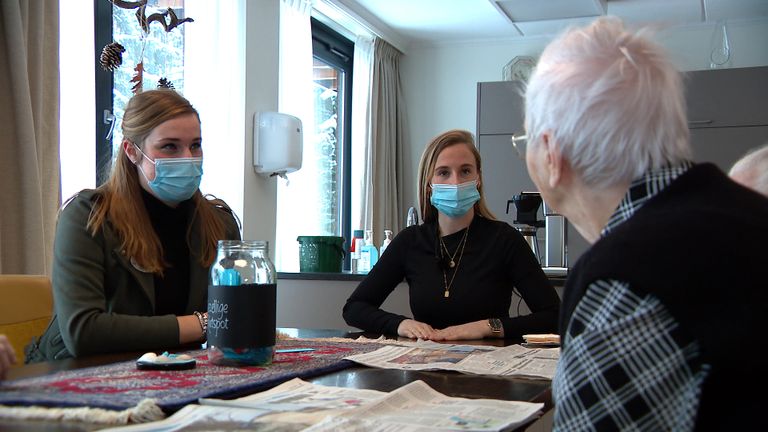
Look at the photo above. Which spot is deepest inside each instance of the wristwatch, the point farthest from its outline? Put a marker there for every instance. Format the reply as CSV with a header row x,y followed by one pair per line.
x,y
495,325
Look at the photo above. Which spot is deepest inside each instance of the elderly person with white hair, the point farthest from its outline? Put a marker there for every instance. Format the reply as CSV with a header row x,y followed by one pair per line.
x,y
752,170
654,311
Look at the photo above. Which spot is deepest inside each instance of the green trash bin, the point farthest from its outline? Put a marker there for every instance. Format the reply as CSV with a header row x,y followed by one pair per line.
x,y
323,254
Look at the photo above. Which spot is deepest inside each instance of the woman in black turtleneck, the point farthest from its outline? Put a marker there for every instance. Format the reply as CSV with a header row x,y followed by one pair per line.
x,y
462,266
131,258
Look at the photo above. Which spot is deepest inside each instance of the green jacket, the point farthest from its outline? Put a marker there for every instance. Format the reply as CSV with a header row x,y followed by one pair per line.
x,y
102,302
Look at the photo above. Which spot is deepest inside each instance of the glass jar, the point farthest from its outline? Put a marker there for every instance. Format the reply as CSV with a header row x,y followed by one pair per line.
x,y
242,299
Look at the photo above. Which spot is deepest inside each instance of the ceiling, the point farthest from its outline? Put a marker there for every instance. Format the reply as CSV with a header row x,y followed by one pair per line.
x,y
441,21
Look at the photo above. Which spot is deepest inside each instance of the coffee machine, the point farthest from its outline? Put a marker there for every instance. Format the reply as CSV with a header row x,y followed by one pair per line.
x,y
555,229
527,222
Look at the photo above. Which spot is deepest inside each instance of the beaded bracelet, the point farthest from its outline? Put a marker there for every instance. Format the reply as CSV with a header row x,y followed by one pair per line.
x,y
203,319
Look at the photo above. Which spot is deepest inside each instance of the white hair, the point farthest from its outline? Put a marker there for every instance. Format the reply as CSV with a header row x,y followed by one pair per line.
x,y
752,170
611,100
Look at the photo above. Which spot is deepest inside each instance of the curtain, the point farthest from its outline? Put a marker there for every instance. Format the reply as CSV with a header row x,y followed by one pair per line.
x,y
297,212
362,182
29,134
383,193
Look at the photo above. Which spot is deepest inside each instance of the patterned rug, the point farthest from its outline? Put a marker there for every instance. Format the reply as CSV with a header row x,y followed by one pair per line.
x,y
120,385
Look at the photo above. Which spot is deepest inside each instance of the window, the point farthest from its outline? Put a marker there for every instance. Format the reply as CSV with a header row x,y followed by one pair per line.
x,y
77,148
332,73
160,53
325,196
217,93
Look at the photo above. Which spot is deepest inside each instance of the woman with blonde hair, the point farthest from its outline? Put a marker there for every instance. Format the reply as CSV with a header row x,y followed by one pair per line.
x,y
131,258
462,265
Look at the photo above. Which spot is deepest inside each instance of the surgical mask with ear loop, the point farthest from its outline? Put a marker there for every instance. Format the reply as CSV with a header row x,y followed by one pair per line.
x,y
454,200
176,179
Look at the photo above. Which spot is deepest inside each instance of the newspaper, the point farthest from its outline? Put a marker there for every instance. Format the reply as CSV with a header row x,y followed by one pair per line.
x,y
417,407
513,360
298,405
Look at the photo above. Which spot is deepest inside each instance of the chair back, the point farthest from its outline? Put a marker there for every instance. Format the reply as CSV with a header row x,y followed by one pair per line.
x,y
25,309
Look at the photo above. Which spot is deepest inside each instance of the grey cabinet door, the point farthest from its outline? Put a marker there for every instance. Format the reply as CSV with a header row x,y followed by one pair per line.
x,y
727,97
724,146
501,108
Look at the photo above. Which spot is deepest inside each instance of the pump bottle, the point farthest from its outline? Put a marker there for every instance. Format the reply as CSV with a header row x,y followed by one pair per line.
x,y
369,255
386,242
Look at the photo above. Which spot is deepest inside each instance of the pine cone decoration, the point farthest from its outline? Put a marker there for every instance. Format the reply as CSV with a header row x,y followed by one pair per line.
x,y
165,83
111,56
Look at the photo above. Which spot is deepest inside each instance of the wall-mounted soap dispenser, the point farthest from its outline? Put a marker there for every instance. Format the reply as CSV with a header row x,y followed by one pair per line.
x,y
277,143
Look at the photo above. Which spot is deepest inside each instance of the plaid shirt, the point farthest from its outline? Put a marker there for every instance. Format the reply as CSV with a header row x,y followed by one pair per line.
x,y
631,368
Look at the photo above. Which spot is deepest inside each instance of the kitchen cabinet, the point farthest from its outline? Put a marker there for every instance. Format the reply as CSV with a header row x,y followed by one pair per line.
x,y
727,109
501,114
720,98
727,113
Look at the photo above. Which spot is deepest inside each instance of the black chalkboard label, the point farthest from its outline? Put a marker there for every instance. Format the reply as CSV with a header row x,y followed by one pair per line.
x,y
242,316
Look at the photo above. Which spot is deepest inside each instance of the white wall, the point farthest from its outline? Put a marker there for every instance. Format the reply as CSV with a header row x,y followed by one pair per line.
x,y
261,84
440,82
318,304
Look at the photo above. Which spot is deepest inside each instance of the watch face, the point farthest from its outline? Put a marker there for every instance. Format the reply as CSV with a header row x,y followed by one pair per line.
x,y
495,325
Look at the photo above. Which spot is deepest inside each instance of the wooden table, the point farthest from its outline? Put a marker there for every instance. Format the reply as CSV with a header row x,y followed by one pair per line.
x,y
446,382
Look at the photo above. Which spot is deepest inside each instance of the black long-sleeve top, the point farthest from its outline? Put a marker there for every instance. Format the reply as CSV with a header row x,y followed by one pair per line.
x,y
496,260
171,225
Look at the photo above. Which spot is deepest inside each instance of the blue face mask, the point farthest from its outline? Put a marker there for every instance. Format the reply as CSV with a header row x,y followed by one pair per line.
x,y
454,200
176,179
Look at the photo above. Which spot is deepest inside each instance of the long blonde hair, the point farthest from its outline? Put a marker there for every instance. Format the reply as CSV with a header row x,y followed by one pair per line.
x,y
119,202
427,168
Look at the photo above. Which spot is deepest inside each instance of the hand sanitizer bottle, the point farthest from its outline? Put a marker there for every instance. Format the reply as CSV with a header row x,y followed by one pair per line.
x,y
369,254
386,242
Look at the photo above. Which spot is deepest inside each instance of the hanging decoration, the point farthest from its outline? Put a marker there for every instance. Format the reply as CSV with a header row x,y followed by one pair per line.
x,y
112,54
165,83
138,78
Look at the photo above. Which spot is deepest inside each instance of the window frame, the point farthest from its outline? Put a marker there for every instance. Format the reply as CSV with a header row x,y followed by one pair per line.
x,y
334,49
102,16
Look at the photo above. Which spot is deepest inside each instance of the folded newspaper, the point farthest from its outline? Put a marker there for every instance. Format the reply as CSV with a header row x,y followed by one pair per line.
x,y
513,360
298,406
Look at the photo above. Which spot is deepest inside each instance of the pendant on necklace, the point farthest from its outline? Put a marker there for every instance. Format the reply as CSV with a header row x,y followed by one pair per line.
x,y
451,265
446,294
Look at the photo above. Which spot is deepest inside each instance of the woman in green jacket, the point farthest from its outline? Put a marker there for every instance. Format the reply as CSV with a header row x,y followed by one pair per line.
x,y
131,258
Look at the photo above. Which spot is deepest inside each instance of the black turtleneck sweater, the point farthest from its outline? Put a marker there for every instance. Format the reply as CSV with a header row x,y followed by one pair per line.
x,y
170,224
495,260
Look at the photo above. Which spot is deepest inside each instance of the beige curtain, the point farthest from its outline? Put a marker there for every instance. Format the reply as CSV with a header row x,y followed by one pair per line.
x,y
384,197
29,134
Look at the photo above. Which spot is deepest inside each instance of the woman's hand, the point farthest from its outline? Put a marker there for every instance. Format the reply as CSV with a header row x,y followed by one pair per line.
x,y
7,356
416,330
473,330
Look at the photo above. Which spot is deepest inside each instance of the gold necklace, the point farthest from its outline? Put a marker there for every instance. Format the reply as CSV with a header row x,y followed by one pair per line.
x,y
452,263
461,246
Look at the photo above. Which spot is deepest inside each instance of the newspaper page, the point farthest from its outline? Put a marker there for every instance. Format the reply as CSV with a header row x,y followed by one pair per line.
x,y
298,401
211,418
513,360
417,407
298,405
292,406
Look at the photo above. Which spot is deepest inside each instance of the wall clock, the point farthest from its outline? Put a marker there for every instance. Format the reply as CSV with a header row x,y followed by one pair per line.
x,y
519,68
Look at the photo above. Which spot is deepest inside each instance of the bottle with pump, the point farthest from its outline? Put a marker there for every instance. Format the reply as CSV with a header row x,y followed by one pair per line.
x,y
386,242
369,254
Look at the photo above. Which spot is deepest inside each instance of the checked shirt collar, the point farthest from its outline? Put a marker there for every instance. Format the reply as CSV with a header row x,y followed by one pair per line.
x,y
643,189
